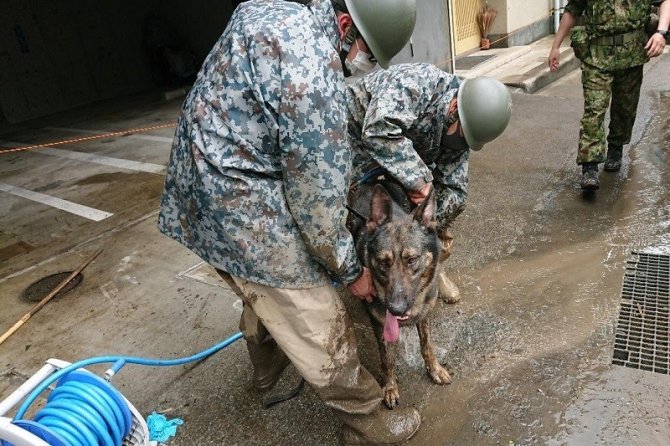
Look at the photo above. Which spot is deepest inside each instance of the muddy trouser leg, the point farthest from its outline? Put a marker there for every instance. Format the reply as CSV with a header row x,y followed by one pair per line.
x,y
597,86
623,110
267,359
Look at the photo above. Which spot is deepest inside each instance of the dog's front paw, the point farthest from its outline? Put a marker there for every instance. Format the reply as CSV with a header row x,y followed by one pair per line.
x,y
439,374
391,395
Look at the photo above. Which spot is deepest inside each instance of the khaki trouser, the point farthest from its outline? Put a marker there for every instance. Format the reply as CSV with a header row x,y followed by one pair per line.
x,y
314,330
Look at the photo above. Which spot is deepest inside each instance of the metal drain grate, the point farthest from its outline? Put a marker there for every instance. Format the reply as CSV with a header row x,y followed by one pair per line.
x,y
641,339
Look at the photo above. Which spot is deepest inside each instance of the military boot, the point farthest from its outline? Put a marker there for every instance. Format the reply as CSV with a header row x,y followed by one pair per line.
x,y
613,161
447,290
590,181
382,426
269,362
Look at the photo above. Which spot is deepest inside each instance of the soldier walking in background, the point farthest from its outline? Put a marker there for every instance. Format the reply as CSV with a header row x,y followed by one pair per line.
x,y
613,47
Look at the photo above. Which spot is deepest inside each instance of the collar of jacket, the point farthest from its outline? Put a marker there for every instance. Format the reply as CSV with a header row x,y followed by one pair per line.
x,y
324,15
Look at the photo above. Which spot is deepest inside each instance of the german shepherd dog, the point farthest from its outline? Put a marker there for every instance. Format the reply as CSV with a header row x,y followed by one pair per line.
x,y
401,248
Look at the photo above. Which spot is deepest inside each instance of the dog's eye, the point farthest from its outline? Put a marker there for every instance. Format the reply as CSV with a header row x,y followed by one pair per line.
x,y
412,260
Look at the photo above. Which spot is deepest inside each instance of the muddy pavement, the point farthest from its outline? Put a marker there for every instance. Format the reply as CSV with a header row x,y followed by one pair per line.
x,y
529,347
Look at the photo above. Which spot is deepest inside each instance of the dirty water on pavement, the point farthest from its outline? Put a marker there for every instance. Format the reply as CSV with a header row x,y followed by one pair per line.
x,y
530,344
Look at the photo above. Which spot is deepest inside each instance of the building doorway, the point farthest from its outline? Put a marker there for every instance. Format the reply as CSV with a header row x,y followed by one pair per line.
x,y
466,31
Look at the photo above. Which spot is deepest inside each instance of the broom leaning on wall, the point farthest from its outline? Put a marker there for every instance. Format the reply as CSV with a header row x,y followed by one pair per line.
x,y
485,18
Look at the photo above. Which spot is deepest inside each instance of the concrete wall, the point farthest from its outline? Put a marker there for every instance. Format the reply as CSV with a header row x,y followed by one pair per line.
x,y
57,55
201,24
431,40
527,12
520,22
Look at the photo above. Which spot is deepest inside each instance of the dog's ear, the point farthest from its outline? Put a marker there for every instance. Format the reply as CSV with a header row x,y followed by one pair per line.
x,y
380,207
425,212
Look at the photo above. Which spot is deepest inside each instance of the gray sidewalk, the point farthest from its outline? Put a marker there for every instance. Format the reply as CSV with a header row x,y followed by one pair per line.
x,y
524,67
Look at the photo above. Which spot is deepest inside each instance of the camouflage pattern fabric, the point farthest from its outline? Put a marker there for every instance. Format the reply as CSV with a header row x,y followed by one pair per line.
x,y
610,71
623,87
397,119
259,171
614,17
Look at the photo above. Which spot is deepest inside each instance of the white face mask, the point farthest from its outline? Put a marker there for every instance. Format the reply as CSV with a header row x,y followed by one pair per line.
x,y
361,64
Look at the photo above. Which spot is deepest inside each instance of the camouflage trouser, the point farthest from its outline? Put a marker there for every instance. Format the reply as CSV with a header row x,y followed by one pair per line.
x,y
623,87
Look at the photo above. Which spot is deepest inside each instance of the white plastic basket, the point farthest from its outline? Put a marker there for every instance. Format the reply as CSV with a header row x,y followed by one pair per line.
x,y
139,432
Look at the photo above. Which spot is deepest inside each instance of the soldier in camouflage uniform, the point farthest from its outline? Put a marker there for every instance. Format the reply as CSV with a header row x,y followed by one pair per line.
x,y
409,121
613,46
257,182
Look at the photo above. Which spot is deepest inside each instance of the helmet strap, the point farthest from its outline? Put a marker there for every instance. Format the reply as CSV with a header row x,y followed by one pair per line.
x,y
351,35
345,47
343,56
452,118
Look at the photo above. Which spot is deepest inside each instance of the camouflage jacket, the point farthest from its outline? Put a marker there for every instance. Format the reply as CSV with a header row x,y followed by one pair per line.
x,y
396,120
259,171
613,17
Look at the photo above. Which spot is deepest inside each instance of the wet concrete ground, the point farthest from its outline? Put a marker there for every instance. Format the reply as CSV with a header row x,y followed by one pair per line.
x,y
529,346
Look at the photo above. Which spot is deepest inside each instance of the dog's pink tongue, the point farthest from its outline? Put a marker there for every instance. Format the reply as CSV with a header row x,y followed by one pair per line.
x,y
391,328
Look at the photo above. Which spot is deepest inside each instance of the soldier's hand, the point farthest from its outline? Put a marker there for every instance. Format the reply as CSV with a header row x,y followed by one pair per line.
x,y
554,59
418,196
655,45
363,288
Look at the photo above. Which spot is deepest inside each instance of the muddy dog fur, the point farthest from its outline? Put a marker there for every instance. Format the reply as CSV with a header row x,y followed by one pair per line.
x,y
401,248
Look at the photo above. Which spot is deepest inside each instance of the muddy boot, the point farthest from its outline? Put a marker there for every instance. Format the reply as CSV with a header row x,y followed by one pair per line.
x,y
447,290
613,161
269,362
382,426
590,181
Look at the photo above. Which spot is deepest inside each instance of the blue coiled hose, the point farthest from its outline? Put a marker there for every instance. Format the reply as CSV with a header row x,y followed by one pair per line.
x,y
84,410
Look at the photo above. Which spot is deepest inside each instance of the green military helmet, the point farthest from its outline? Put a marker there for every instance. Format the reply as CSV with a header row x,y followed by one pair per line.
x,y
484,109
386,25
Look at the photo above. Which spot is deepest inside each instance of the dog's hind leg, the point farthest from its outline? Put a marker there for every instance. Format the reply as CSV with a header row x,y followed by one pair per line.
x,y
388,354
437,373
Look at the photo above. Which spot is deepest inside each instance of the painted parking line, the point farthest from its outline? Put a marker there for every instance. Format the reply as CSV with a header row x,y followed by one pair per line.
x,y
95,159
67,206
99,132
104,160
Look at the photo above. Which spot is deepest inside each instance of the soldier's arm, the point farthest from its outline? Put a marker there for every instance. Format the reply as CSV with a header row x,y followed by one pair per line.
x,y
566,24
451,186
657,42
315,157
383,137
664,15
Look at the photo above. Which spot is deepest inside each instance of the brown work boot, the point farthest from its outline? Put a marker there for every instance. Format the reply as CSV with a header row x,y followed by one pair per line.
x,y
269,362
380,427
447,290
